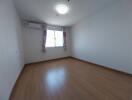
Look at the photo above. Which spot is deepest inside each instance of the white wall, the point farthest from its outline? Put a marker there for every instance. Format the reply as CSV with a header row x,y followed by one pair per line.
x,y
130,22
33,47
106,37
11,59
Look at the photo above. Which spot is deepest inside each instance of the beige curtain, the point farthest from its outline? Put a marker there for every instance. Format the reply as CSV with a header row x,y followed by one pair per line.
x,y
64,37
44,37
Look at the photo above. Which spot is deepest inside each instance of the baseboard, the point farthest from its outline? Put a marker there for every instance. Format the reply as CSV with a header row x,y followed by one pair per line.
x,y
105,67
81,61
48,60
15,85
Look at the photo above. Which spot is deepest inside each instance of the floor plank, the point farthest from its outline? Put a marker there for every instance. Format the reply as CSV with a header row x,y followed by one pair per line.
x,y
70,79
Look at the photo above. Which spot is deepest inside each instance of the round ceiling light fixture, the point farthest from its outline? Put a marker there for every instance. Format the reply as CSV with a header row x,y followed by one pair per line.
x,y
62,9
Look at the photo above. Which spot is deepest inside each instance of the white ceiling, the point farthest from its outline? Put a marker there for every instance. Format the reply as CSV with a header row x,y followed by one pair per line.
x,y
43,10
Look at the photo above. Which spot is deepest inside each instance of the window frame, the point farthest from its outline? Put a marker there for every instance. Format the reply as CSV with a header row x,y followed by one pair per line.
x,y
55,39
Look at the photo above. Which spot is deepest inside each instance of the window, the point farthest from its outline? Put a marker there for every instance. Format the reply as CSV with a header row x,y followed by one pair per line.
x,y
54,38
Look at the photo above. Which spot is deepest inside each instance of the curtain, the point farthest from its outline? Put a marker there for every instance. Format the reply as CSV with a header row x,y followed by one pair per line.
x,y
64,37
44,37
54,27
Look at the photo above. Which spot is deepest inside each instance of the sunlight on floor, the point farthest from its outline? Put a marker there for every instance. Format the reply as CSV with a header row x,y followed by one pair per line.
x,y
55,79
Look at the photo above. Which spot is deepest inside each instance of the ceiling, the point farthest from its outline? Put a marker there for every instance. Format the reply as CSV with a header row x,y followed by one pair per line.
x,y
43,10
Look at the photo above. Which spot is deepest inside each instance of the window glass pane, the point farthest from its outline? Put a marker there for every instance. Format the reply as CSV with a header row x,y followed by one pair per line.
x,y
50,39
59,38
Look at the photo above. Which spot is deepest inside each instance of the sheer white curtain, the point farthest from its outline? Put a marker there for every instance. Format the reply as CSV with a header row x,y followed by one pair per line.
x,y
46,27
59,28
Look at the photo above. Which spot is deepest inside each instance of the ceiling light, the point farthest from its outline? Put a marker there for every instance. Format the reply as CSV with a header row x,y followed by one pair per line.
x,y
62,9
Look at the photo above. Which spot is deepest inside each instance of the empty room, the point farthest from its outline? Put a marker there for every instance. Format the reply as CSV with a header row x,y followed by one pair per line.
x,y
65,49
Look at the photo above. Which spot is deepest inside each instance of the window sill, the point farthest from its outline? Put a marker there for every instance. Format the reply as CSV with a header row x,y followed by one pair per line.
x,y
55,47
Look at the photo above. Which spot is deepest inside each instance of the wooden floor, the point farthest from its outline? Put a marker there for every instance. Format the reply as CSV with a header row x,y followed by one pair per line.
x,y
70,79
